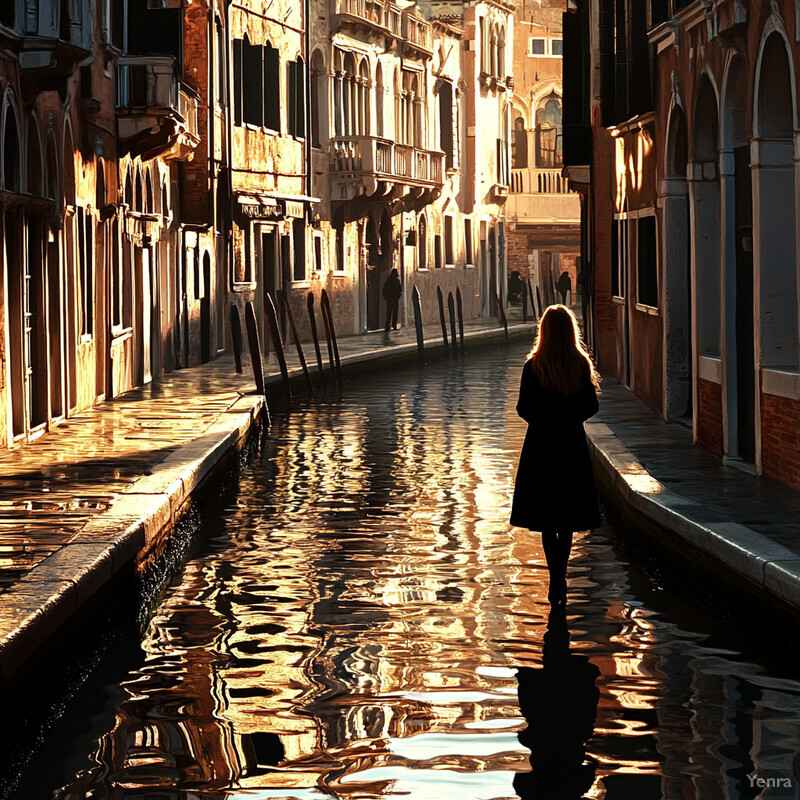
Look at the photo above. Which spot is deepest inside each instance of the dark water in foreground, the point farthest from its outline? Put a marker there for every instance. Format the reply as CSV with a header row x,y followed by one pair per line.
x,y
354,623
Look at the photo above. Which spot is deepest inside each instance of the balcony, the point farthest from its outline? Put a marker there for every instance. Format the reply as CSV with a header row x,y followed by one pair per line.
x,y
538,181
156,113
541,200
368,162
380,15
417,33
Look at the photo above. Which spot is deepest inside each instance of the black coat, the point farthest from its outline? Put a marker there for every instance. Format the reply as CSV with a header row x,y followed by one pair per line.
x,y
392,289
555,488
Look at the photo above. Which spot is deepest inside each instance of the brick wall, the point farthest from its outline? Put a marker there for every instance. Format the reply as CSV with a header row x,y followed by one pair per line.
x,y
709,416
780,439
517,249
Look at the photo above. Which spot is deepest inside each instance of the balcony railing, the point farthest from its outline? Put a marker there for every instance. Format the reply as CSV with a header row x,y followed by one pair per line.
x,y
417,32
538,181
380,13
386,160
148,90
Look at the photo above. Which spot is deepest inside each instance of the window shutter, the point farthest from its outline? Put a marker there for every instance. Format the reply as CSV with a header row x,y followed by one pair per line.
x,y
237,81
300,94
272,89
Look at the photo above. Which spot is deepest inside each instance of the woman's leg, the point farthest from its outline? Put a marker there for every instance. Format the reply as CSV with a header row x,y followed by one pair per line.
x,y
551,554
563,548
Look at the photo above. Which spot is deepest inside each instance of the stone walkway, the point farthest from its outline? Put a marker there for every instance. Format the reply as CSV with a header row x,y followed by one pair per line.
x,y
750,524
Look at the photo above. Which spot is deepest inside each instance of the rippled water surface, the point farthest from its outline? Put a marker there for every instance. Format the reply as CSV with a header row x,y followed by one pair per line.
x,y
355,625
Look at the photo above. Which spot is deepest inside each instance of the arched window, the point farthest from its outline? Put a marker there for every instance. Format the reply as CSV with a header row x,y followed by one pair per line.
x,y
129,198
100,185
11,162
380,92
493,46
338,93
364,109
296,92
548,132
350,99
422,243
501,53
149,207
519,144
319,105
138,192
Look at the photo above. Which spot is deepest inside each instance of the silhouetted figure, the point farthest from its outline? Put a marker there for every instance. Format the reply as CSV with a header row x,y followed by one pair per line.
x,y
555,491
514,288
392,290
559,702
564,286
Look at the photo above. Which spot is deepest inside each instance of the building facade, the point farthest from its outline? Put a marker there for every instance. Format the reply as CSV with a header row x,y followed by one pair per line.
x,y
543,212
685,120
161,161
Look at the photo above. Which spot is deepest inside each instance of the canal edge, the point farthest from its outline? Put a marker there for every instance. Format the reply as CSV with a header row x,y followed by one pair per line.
x,y
143,517
731,548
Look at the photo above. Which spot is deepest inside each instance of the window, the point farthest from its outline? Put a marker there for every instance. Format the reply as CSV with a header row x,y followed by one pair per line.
x,y
297,98
422,244
237,81
86,267
116,276
446,123
469,253
619,263
646,262
299,242
557,47
256,86
318,77
437,251
317,253
549,132
449,259
339,232
537,47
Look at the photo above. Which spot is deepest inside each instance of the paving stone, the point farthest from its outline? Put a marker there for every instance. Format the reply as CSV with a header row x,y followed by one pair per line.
x,y
746,522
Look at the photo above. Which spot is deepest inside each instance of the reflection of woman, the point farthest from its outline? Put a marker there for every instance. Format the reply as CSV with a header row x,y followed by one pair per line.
x,y
555,491
559,702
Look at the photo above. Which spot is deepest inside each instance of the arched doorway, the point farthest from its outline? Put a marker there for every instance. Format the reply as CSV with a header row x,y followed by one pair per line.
x,y
739,321
706,264
677,274
774,207
205,311
379,264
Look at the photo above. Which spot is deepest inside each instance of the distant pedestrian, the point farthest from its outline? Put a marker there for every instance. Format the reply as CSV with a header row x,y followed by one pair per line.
x,y
555,491
392,290
564,286
515,288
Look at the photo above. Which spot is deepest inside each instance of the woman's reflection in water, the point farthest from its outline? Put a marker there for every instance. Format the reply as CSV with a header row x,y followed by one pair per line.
x,y
559,701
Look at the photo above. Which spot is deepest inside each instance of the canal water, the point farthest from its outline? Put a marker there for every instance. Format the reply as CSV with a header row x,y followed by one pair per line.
x,y
359,621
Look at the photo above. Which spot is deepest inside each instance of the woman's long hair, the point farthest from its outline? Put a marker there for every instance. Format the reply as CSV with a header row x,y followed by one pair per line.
x,y
559,355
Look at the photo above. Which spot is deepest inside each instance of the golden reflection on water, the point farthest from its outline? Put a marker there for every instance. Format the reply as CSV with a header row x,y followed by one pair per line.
x,y
354,627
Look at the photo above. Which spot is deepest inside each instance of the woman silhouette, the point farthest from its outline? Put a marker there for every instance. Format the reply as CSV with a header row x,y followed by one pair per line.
x,y
555,491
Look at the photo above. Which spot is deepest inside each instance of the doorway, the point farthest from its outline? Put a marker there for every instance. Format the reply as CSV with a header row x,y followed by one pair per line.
x,y
205,311
745,344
